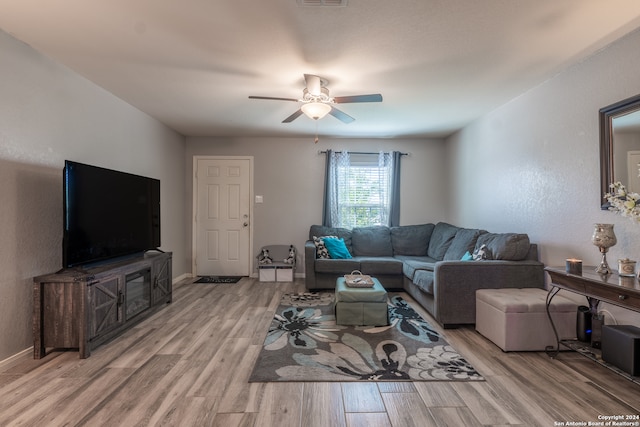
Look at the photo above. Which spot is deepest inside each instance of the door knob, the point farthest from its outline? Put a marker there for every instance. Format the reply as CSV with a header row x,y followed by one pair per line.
x,y
245,224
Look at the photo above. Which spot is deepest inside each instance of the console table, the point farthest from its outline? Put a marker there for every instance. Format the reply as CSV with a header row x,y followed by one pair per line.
x,y
618,290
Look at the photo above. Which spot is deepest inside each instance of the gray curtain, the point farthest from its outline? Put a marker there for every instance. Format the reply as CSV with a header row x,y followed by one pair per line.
x,y
336,170
326,202
394,209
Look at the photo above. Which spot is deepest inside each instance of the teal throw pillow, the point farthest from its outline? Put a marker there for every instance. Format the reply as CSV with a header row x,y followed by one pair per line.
x,y
337,249
467,256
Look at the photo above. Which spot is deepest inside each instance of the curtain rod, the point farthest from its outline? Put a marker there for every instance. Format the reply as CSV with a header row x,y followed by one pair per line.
x,y
358,152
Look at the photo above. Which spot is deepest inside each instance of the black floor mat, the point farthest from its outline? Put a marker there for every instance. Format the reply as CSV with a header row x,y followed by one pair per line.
x,y
218,279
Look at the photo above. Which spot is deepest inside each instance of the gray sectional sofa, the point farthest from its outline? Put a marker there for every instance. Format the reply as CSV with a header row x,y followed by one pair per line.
x,y
427,262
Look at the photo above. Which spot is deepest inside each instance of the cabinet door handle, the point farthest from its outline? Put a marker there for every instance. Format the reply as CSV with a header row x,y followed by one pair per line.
x,y
622,297
120,297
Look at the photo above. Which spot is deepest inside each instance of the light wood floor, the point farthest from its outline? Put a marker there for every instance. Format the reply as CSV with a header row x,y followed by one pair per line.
x,y
188,366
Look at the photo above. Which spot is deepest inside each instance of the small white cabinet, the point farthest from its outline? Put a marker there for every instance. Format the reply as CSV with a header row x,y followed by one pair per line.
x,y
277,270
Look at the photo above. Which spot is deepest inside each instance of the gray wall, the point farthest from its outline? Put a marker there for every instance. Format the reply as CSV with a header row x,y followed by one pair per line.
x,y
49,114
533,164
289,173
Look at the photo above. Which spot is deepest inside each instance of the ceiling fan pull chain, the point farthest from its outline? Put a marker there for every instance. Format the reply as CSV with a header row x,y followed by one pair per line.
x,y
315,141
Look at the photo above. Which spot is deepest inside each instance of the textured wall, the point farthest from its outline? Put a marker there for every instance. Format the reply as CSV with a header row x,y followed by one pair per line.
x,y
49,114
289,173
532,165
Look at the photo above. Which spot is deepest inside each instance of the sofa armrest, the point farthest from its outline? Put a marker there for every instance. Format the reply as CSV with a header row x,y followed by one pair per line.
x,y
309,264
456,283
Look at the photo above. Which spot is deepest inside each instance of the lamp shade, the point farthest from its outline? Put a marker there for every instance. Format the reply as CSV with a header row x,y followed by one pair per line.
x,y
315,110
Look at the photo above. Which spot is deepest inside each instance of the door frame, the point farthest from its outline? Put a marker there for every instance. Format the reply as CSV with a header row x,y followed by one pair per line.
x,y
194,206
633,179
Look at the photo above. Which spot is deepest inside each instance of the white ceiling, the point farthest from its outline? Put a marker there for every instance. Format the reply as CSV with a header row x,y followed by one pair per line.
x,y
439,64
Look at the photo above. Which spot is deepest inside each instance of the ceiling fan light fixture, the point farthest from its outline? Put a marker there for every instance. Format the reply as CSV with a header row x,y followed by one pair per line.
x,y
315,110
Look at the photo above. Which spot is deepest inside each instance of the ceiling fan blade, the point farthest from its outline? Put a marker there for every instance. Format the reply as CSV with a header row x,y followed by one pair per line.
x,y
314,84
272,98
292,117
342,116
374,97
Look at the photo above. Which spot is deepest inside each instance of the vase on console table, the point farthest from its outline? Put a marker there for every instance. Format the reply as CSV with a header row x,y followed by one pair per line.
x,y
604,238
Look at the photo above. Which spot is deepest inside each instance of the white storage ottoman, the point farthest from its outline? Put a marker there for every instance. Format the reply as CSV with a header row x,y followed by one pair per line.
x,y
277,270
516,319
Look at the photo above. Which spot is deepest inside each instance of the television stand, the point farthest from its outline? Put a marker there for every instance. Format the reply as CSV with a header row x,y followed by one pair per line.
x,y
84,308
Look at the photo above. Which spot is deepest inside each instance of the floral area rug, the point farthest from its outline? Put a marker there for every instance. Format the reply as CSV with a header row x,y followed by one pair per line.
x,y
305,344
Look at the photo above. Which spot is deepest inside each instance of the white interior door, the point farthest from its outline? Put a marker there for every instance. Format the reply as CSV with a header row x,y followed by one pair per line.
x,y
222,220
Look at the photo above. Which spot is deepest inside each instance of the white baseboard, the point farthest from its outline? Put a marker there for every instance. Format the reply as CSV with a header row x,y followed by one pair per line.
x,y
182,277
296,275
252,275
11,359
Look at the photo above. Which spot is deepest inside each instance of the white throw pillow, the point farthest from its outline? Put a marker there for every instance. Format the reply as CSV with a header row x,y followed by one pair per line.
x,y
481,253
321,249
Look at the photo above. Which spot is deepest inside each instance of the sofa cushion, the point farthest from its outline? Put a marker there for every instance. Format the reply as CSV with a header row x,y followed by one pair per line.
x,y
410,266
505,246
441,238
411,239
341,233
336,266
336,248
424,280
463,242
371,241
380,265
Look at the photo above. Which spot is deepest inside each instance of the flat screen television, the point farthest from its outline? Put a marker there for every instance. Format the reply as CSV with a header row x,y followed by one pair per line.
x,y
107,214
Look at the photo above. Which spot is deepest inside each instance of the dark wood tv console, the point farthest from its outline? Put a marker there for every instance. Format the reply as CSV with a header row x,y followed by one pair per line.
x,y
85,307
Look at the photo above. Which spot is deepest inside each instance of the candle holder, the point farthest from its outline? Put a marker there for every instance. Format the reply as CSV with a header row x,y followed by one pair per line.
x,y
574,266
604,238
626,267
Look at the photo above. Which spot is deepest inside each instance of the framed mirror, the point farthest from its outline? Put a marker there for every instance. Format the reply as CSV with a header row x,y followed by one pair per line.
x,y
620,146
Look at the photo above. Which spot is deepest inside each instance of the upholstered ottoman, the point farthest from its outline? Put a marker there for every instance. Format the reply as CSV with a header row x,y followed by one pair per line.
x,y
516,319
361,306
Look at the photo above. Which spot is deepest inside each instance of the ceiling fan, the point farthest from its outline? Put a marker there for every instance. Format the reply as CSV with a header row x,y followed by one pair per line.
x,y
316,102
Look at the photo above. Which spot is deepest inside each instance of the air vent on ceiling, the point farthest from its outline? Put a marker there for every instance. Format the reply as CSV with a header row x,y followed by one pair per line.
x,y
325,3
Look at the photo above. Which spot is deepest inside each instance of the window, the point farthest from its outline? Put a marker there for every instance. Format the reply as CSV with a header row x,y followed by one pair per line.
x,y
360,189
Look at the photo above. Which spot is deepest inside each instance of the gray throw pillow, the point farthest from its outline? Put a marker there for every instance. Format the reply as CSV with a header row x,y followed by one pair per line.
x,y
411,239
505,246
